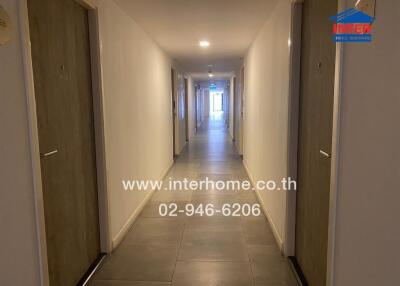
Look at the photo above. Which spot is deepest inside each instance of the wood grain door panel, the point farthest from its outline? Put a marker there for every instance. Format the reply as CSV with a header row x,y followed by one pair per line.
x,y
62,76
315,134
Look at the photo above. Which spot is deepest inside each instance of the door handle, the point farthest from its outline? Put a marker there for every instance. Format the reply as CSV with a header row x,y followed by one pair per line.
x,y
325,154
48,154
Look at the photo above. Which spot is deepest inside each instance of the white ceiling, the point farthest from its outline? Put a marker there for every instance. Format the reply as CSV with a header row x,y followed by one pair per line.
x,y
203,75
178,25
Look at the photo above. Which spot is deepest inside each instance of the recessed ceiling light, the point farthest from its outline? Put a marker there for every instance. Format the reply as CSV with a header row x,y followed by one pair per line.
x,y
204,44
210,75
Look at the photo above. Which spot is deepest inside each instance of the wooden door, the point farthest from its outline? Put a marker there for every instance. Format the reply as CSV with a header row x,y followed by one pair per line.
x,y
315,139
62,76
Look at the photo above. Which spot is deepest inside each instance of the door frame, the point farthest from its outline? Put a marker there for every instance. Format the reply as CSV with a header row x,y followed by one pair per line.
x,y
186,82
195,107
293,132
242,108
100,132
234,103
338,86
174,108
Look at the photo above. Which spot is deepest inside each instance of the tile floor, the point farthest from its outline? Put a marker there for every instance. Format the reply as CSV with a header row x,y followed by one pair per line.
x,y
199,251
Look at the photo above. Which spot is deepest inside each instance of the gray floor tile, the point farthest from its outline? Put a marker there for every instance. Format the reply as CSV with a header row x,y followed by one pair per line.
x,y
151,210
126,283
220,236
276,274
213,252
212,274
275,284
172,196
270,266
265,253
257,231
140,263
205,245
215,177
215,223
149,231
199,251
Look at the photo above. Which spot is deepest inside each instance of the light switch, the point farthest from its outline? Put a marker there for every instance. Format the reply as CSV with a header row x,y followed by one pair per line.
x,y
5,26
366,6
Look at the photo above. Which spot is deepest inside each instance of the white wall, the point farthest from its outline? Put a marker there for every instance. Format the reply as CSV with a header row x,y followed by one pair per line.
x,y
138,116
266,111
138,125
19,262
368,212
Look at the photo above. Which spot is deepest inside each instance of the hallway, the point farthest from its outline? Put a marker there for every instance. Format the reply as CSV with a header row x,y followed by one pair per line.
x,y
108,106
196,250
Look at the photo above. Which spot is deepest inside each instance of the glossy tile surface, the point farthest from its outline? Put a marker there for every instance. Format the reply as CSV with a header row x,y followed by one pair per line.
x,y
199,250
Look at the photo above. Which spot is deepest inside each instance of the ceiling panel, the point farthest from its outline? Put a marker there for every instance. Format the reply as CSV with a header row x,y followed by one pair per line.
x,y
178,25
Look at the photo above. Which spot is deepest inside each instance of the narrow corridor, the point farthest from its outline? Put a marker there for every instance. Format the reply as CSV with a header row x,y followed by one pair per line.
x,y
198,250
105,103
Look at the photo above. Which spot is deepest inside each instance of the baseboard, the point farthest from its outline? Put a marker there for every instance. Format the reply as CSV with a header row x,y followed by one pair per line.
x,y
126,227
182,148
277,236
231,136
92,270
300,279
